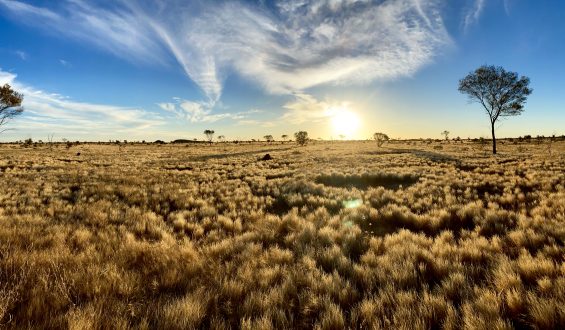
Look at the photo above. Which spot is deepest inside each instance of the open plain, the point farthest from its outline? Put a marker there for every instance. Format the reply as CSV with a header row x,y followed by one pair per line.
x,y
331,235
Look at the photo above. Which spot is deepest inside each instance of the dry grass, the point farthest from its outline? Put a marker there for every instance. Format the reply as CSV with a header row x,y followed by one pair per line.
x,y
326,236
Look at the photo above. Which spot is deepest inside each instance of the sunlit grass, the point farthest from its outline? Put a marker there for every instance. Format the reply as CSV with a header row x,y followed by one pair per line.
x,y
329,235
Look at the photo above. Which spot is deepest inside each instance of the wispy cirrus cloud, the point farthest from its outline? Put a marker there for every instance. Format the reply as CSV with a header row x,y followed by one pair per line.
x,y
46,113
473,13
507,6
286,47
200,112
22,55
65,63
113,29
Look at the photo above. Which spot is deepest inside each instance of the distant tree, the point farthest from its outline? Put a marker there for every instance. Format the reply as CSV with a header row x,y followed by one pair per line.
x,y
445,134
209,135
10,104
501,93
27,143
341,136
269,138
221,138
284,137
381,138
301,137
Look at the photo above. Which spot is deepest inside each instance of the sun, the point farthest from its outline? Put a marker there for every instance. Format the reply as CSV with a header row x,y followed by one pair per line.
x,y
345,122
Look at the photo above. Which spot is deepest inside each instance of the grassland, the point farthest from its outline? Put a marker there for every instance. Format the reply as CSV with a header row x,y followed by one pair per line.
x,y
329,235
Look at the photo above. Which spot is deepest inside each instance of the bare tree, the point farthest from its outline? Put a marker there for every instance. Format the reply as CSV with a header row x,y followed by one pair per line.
x,y
10,104
209,135
445,134
381,138
301,137
50,140
501,93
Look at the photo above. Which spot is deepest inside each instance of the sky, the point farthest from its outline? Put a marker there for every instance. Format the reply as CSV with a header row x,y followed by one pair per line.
x,y
338,69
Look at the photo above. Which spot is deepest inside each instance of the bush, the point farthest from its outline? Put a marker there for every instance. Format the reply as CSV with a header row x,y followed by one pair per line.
x,y
301,137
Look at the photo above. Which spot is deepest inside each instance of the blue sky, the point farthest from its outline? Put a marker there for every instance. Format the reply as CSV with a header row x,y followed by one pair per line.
x,y
101,70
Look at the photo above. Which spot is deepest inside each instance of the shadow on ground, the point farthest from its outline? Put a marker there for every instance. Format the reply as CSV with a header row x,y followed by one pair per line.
x,y
366,181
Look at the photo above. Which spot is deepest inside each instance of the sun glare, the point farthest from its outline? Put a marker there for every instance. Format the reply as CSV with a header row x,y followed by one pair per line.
x,y
345,122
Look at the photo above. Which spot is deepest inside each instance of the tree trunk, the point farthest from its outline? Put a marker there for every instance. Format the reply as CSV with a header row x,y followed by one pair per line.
x,y
493,140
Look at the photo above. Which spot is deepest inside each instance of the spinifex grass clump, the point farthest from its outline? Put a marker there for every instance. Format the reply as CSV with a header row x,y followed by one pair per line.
x,y
334,236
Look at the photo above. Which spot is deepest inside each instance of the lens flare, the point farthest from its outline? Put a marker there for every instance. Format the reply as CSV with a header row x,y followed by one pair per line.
x,y
353,203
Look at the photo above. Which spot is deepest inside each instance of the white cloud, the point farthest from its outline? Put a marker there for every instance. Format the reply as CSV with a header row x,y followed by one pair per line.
x,y
6,77
306,108
295,46
254,122
115,30
22,55
200,112
65,63
507,7
47,113
474,13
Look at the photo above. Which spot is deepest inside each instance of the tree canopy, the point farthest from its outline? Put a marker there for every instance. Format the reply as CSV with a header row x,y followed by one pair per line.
x,y
501,93
10,104
209,134
381,138
301,137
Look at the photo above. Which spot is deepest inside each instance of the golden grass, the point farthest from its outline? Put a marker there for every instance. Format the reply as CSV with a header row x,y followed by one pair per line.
x,y
327,236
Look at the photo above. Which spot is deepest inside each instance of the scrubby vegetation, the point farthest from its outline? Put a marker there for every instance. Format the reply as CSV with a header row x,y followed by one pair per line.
x,y
327,235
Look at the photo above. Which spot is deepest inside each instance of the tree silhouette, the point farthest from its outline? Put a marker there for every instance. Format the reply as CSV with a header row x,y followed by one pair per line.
x,y
381,138
10,104
269,138
301,137
221,138
446,134
209,135
500,92
284,137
